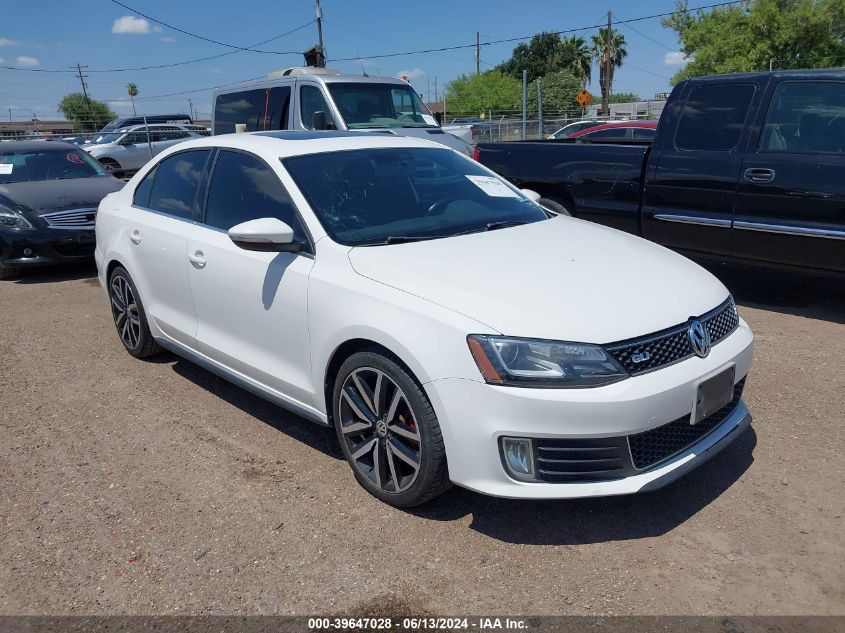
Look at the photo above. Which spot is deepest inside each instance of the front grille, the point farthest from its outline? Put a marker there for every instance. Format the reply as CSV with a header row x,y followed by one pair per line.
x,y
644,354
565,460
659,444
71,219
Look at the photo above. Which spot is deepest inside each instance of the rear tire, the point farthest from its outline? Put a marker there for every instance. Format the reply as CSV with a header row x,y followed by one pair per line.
x,y
388,431
129,316
10,272
554,206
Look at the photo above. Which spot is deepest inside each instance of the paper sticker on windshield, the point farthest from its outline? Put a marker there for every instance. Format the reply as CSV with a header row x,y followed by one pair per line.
x,y
429,119
73,157
493,187
5,169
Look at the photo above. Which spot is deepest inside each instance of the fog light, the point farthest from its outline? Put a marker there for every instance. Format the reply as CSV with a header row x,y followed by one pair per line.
x,y
27,252
519,458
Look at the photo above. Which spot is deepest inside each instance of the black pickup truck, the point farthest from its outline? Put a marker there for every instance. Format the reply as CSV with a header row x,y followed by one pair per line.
x,y
747,167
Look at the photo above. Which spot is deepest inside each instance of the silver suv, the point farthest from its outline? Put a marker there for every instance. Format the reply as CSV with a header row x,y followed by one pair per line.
x,y
127,150
324,99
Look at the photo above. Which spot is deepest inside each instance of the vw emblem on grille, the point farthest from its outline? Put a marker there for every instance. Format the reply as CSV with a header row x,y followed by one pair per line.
x,y
700,338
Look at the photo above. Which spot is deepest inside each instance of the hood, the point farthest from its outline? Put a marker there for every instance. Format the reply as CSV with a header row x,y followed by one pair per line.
x,y
561,279
436,134
43,195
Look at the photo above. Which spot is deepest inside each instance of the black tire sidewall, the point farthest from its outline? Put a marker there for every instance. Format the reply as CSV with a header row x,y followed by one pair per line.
x,y
427,484
146,344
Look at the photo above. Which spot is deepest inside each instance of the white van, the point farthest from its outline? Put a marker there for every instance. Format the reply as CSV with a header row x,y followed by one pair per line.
x,y
324,99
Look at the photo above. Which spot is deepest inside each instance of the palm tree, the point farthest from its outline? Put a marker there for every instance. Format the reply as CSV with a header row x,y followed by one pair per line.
x,y
132,89
580,58
609,56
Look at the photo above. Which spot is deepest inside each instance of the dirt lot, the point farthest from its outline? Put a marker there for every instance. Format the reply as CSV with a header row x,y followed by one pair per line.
x,y
155,487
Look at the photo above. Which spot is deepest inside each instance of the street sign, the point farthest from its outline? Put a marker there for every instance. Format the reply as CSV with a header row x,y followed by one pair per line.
x,y
584,98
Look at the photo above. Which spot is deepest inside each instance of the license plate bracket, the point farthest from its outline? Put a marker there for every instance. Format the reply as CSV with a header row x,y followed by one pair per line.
x,y
713,393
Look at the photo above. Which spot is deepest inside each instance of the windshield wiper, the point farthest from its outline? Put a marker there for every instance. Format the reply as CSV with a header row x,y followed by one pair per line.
x,y
492,226
403,239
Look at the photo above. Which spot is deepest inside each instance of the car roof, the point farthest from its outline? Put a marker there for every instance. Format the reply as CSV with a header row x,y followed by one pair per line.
x,y
268,82
28,145
283,144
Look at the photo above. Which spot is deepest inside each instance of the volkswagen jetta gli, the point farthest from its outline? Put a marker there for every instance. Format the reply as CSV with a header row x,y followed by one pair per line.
x,y
442,322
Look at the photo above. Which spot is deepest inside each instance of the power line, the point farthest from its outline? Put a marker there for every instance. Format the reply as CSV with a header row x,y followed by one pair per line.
x,y
528,37
648,37
195,35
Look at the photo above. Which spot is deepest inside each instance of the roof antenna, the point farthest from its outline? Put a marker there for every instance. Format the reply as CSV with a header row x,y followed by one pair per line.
x,y
364,72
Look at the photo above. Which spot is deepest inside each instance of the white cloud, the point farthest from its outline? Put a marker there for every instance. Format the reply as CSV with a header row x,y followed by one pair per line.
x,y
167,40
120,104
24,60
416,73
4,41
130,25
675,59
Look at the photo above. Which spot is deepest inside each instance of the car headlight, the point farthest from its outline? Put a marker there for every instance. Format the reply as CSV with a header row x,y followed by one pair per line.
x,y
11,219
523,362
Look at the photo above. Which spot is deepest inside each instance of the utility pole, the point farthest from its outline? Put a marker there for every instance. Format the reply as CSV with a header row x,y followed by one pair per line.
x,y
477,53
191,109
435,90
524,103
82,80
10,114
605,100
320,32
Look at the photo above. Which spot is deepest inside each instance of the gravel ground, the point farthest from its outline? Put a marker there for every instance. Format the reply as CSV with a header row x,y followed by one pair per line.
x,y
131,487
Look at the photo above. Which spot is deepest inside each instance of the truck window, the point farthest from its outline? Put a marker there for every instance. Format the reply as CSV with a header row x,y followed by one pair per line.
x,y
713,117
258,109
311,100
806,116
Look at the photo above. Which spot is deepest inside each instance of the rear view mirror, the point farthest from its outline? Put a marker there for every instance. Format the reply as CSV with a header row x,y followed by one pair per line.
x,y
264,234
320,121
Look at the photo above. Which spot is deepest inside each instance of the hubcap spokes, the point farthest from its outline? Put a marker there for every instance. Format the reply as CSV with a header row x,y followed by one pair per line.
x,y
379,430
125,311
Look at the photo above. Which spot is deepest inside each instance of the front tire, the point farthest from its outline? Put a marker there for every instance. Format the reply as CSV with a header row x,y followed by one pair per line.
x,y
388,431
129,316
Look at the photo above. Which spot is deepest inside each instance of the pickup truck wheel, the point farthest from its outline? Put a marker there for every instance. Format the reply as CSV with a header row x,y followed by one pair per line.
x,y
553,206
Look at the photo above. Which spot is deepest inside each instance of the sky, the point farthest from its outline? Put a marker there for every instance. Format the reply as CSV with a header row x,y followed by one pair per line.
x,y
48,35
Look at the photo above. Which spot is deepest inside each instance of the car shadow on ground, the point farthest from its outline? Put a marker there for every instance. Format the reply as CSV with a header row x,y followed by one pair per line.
x,y
318,437
54,274
787,293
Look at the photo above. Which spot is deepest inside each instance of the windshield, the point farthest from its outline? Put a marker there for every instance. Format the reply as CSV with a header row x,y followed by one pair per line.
x,y
106,138
365,105
377,196
47,164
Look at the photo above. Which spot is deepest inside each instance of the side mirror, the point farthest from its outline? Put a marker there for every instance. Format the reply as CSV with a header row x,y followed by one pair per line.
x,y
269,235
320,121
531,194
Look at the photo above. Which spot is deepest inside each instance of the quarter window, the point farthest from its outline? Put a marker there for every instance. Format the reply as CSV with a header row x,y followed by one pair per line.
x,y
244,188
713,117
178,182
142,191
806,116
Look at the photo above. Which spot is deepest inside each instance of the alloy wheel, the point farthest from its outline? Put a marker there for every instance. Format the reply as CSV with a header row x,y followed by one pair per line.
x,y
125,311
379,429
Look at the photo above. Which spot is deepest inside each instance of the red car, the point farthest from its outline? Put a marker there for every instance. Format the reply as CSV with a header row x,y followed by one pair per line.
x,y
624,130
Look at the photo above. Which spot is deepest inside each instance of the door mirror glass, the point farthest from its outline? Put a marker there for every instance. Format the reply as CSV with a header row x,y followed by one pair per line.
x,y
264,234
531,194
320,121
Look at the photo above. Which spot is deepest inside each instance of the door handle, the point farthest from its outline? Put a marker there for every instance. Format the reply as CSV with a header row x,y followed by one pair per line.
x,y
135,237
197,259
759,175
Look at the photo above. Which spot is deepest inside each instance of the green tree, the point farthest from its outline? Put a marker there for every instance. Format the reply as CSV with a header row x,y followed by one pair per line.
x,y
474,94
576,56
609,53
86,114
559,90
751,36
539,57
132,89
624,97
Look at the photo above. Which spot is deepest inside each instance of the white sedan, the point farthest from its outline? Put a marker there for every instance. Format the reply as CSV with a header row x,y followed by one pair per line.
x,y
447,327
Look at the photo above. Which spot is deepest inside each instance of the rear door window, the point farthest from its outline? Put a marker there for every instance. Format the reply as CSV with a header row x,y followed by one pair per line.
x,y
713,117
806,116
259,109
178,182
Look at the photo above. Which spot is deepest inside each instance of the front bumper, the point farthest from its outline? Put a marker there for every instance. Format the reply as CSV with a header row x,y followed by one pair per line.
x,y
474,416
42,247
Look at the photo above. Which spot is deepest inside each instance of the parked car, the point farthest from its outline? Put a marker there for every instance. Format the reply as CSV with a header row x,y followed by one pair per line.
x,y
127,149
128,121
744,168
324,99
429,311
621,131
77,140
49,194
577,126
